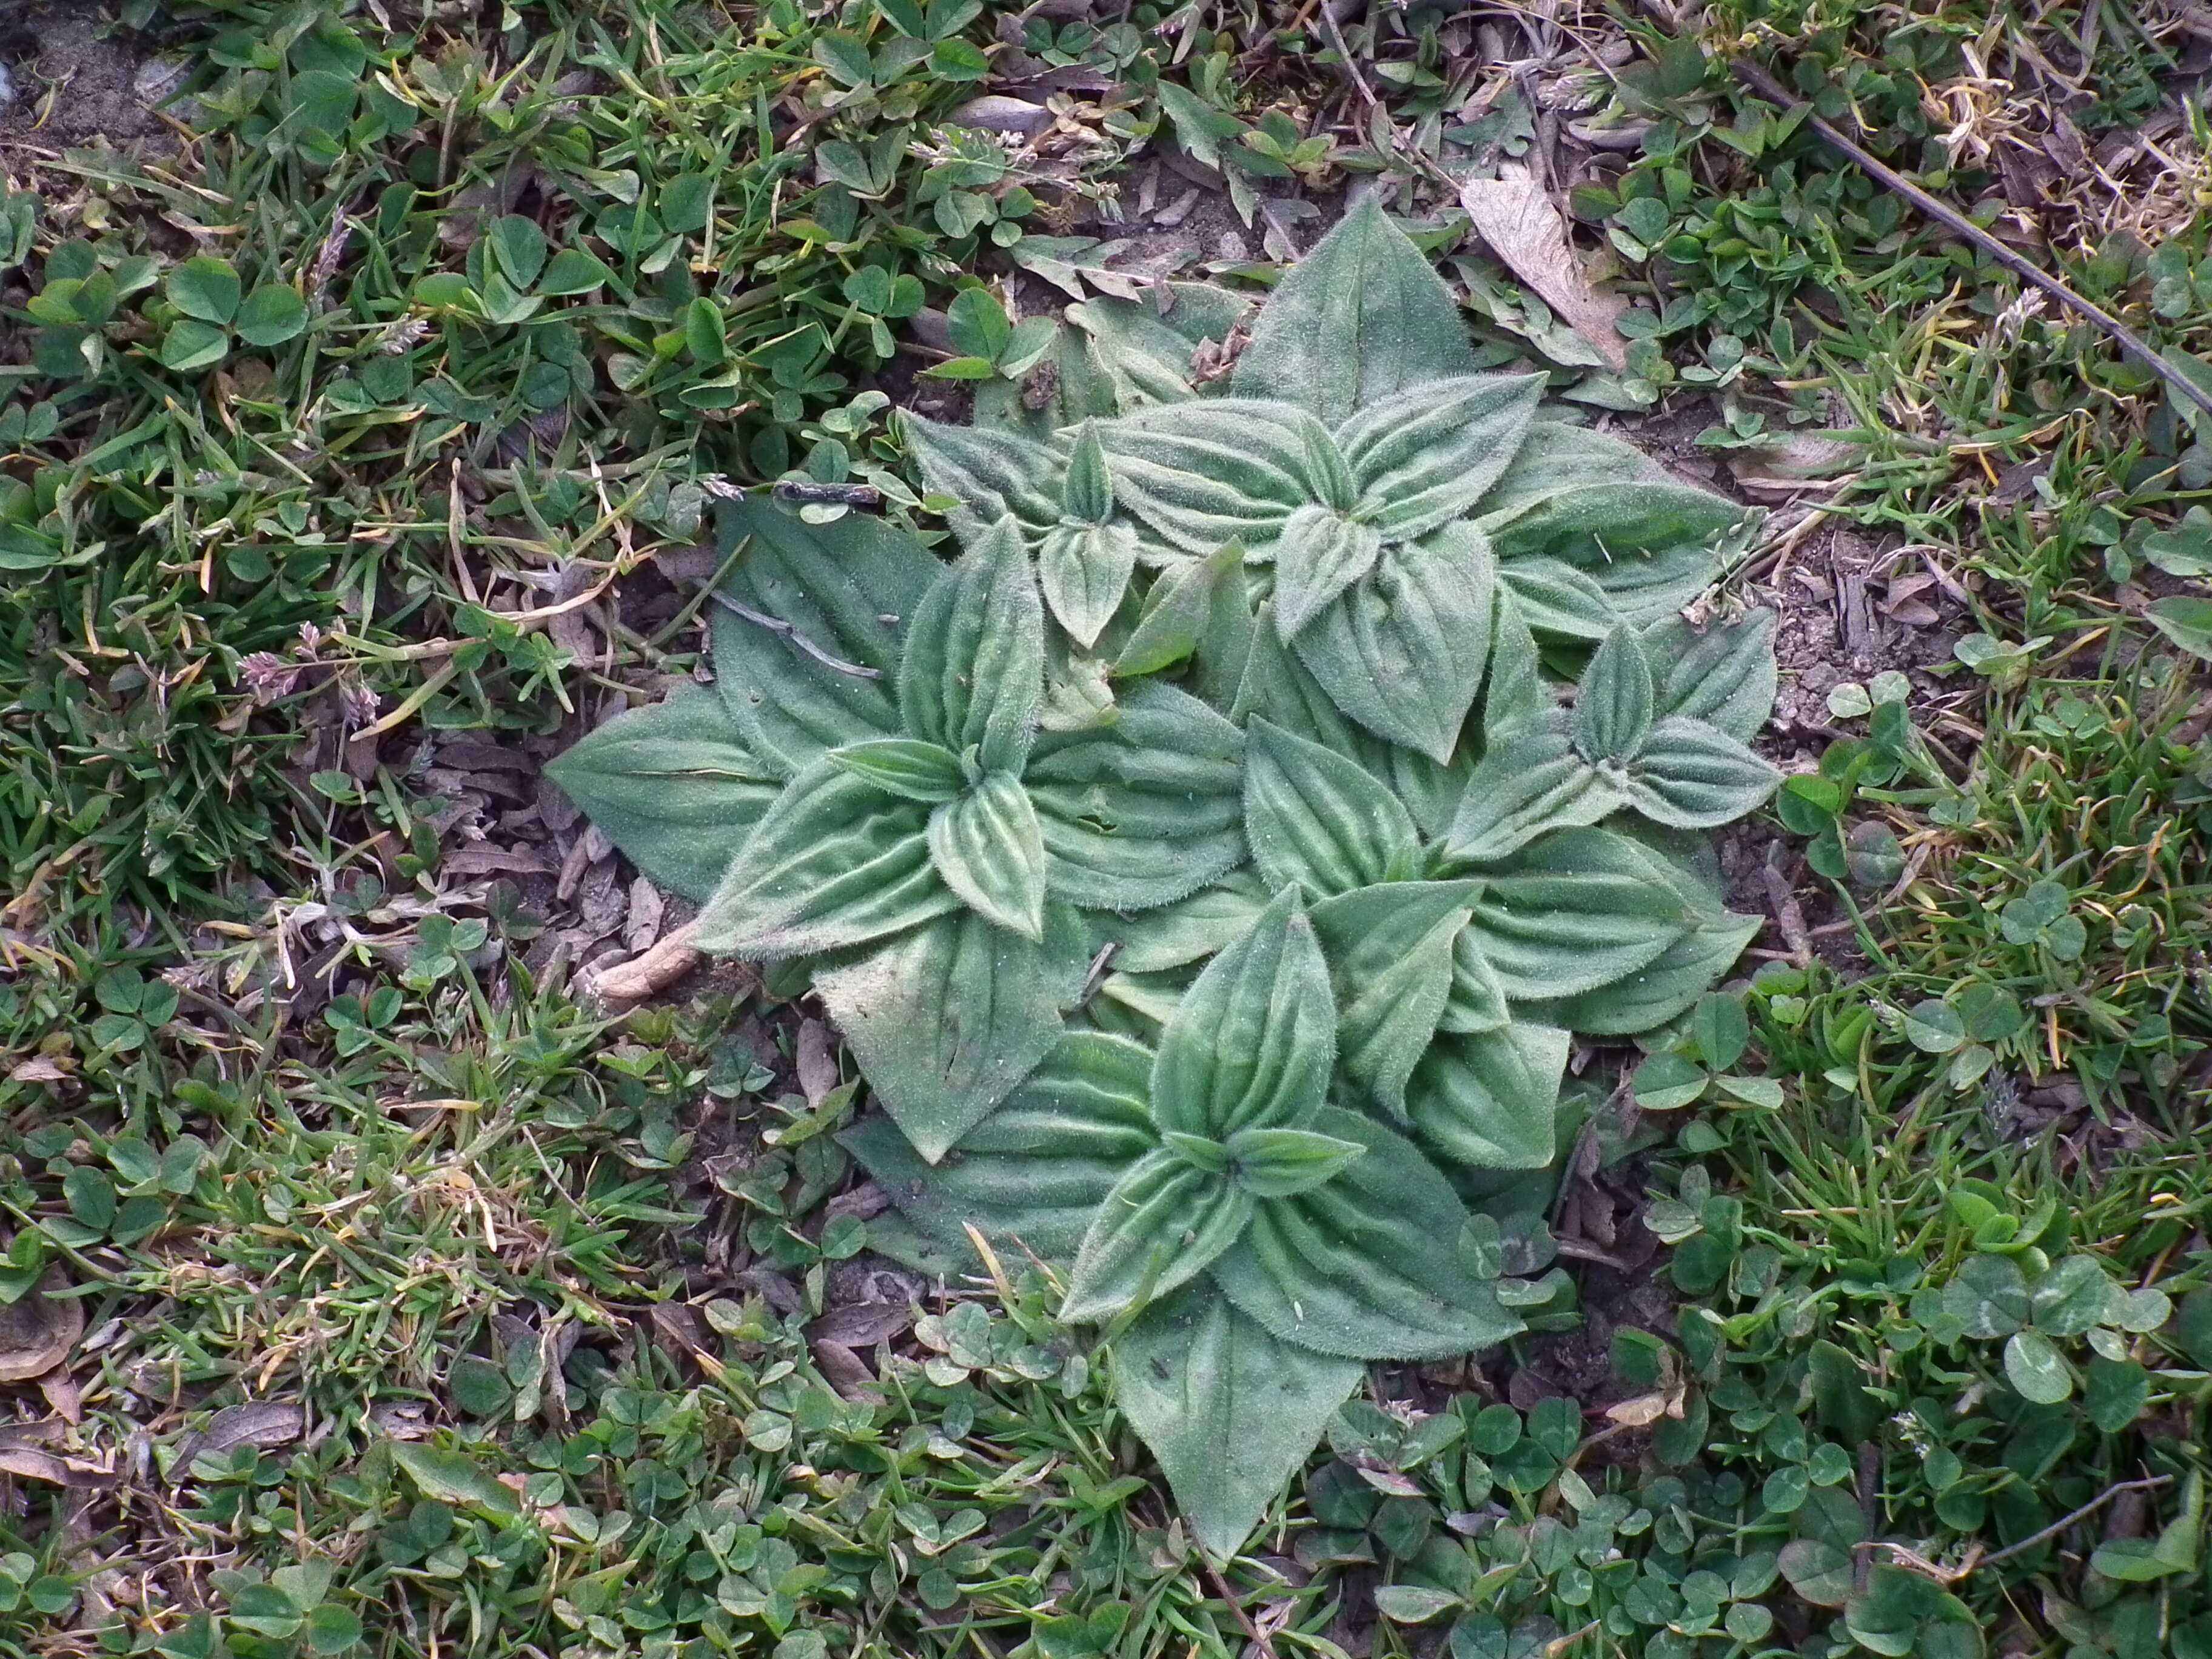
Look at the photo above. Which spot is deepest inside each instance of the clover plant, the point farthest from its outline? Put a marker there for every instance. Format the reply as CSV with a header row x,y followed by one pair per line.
x,y
1212,866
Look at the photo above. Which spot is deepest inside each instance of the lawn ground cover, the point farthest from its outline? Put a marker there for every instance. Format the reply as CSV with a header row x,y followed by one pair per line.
x,y
374,1279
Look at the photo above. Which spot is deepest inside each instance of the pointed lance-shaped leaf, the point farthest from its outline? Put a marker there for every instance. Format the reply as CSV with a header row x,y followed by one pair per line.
x,y
1490,1099
1424,457
1032,1174
990,474
1402,650
1251,1042
1277,686
986,845
1690,776
806,666
906,767
1576,909
1178,609
948,1018
1366,1265
1230,1411
1316,821
1085,569
834,862
1557,598
1362,316
1086,495
1143,812
1613,706
674,787
1162,1225
1319,553
1529,781
1283,1163
1723,675
1390,951
1220,469
974,668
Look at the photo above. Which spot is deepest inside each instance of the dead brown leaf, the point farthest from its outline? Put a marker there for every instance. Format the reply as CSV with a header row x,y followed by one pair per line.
x,y
1521,225
861,1324
38,1330
261,1424
655,971
61,1392
816,1062
38,1068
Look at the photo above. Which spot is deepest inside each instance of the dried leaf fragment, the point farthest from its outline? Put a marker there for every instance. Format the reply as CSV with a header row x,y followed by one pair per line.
x,y
1519,223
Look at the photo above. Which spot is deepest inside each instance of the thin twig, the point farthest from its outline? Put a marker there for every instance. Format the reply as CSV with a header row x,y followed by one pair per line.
x,y
1757,78
2081,1514
1328,26
1260,1645
777,625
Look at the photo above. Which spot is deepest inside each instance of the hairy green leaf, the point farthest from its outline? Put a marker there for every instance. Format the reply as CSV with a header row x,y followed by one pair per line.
x,y
1316,821
1229,1410
1144,810
1085,570
1275,684
1613,713
1693,777
1189,930
1723,675
1402,650
834,862
1649,996
808,668
1477,1002
990,474
1555,457
1319,553
1250,1045
1365,1266
1420,458
1034,1171
1606,523
1491,1098
1389,949
986,847
1087,493
946,1020
1577,910
1200,474
973,667
1553,598
1283,1163
906,767
1163,1225
1178,610
674,787
1361,317
1529,782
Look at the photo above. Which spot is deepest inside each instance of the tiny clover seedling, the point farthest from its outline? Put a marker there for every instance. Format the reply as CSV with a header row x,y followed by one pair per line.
x,y
2042,917
987,342
211,308
1219,857
1993,1297
1718,1034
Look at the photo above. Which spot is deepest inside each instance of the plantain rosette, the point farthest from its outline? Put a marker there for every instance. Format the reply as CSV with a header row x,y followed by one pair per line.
x,y
869,792
1350,711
